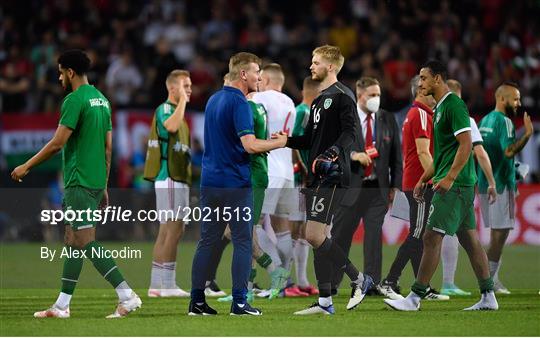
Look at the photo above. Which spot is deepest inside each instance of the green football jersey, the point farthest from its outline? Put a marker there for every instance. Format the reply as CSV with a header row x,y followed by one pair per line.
x,y
300,124
259,162
88,113
498,133
163,112
450,119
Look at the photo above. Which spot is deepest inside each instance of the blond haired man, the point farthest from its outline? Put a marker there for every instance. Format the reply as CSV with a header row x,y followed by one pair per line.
x,y
332,129
168,166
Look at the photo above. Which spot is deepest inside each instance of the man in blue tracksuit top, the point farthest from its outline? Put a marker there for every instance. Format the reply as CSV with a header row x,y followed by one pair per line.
x,y
226,182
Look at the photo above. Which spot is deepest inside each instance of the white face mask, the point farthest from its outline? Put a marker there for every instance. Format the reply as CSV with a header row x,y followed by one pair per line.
x,y
373,104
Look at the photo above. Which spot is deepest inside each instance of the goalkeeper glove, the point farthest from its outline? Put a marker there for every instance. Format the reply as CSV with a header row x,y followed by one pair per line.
x,y
325,164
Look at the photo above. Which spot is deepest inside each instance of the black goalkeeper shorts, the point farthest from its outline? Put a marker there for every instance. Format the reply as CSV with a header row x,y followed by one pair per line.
x,y
322,201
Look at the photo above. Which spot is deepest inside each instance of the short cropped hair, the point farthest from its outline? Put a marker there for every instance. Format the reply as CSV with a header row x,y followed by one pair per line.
x,y
226,79
437,68
501,89
415,81
239,62
366,81
75,59
310,84
175,74
453,85
331,54
275,71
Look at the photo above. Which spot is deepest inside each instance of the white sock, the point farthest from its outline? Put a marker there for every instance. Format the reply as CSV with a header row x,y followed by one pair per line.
x,y
267,245
155,275
63,300
449,255
301,253
169,275
325,301
494,269
123,291
285,248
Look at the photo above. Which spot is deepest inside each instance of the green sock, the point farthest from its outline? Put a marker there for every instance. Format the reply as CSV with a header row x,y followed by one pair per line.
x,y
252,274
485,285
70,273
264,260
106,266
419,289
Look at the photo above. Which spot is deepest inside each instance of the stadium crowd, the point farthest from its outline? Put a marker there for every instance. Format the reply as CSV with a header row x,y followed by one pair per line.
x,y
133,45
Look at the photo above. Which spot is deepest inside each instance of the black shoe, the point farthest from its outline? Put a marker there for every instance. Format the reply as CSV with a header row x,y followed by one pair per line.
x,y
200,310
244,309
433,294
394,285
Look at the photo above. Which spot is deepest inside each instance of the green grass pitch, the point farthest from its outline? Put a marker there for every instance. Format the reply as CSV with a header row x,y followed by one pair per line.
x,y
29,283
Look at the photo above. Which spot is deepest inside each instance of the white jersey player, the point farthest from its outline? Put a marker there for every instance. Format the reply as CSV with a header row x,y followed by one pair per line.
x,y
279,198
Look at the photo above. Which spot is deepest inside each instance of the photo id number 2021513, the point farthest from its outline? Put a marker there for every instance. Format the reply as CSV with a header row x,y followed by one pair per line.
x,y
220,214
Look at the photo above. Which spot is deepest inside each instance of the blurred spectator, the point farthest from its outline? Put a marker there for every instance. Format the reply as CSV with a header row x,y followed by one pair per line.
x,y
182,38
217,33
398,72
122,80
277,34
343,35
464,69
163,62
203,78
15,81
496,38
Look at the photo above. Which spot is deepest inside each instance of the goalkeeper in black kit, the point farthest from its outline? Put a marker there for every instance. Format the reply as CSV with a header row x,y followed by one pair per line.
x,y
331,131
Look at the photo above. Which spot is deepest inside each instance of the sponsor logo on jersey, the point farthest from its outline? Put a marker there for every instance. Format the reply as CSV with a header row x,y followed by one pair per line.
x,y
327,103
98,102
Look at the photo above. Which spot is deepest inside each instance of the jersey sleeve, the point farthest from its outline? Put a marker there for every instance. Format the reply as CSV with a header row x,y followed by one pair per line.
x,y
475,133
70,113
459,118
419,123
243,119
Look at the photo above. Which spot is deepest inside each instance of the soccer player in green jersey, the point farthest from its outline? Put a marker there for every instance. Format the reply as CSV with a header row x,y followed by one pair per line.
x,y
501,145
450,244
452,209
84,134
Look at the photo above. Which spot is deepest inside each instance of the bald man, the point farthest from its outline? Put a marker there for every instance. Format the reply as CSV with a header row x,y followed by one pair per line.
x,y
499,135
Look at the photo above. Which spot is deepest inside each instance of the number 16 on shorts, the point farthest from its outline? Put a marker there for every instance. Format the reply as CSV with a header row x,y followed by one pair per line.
x,y
320,203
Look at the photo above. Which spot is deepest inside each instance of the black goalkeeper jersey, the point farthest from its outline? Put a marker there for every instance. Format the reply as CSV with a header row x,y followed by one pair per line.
x,y
333,122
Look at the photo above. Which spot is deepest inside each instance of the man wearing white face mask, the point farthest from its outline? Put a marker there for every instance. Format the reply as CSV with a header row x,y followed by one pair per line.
x,y
376,170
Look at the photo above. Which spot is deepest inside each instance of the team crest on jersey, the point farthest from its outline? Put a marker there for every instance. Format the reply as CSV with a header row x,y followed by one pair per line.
x,y
327,103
